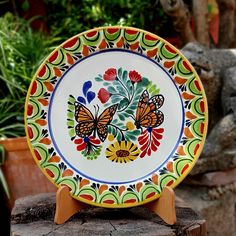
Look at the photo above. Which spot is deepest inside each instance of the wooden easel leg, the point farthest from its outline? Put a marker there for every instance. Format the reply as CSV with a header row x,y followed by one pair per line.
x,y
165,206
66,206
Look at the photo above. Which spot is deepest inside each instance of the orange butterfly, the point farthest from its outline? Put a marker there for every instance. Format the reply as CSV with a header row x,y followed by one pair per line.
x,y
147,114
87,123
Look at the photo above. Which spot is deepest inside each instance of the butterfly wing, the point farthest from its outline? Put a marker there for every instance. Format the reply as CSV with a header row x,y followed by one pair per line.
x,y
142,107
157,100
160,118
147,114
105,119
85,119
102,131
152,119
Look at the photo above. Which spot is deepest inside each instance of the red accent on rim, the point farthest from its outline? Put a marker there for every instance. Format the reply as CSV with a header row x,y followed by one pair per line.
x,y
37,155
150,195
170,49
33,88
197,85
42,71
170,183
112,30
70,43
130,200
86,196
53,57
196,148
129,31
202,126
91,34
49,172
150,37
202,106
184,168
29,110
186,65
30,132
108,201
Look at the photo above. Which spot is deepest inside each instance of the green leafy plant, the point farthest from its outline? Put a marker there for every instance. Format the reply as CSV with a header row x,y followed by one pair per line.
x,y
3,181
21,52
67,17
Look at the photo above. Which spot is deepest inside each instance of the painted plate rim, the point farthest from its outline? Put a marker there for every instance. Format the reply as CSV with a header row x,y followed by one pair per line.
x,y
140,200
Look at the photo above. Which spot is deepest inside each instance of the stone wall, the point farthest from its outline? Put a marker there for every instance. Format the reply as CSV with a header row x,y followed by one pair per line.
x,y
211,186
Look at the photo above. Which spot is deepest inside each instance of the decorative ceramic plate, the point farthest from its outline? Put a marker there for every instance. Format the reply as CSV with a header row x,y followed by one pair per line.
x,y
116,114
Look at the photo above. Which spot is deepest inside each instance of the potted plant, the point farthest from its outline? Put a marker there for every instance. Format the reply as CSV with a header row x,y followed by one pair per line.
x,y
21,52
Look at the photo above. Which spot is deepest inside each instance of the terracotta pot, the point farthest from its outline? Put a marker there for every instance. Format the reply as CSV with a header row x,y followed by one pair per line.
x,y
23,175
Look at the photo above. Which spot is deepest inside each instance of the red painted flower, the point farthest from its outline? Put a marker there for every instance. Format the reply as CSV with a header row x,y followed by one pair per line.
x,y
86,142
149,140
103,95
110,74
135,76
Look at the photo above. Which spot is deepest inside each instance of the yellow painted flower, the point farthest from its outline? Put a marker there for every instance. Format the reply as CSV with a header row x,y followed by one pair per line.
x,y
130,125
122,152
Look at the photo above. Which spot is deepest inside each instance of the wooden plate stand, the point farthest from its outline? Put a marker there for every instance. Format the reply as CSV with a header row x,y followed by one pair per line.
x,y
66,206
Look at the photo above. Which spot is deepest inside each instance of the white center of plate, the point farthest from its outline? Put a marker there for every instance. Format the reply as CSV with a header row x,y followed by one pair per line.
x,y
101,169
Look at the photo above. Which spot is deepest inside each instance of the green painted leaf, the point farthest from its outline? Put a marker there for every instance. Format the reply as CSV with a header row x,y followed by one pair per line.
x,y
114,121
70,123
155,92
149,86
115,99
121,116
112,130
123,103
124,77
98,79
129,111
145,82
152,88
132,107
70,115
116,83
106,83
121,125
120,72
71,107
71,99
111,90
139,91
121,90
72,133
119,137
136,132
133,138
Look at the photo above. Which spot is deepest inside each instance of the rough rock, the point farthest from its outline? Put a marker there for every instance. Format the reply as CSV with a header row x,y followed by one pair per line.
x,y
221,137
217,178
198,55
219,212
212,67
222,161
216,68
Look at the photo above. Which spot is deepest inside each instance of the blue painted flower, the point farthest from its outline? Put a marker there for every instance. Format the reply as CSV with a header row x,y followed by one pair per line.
x,y
88,95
